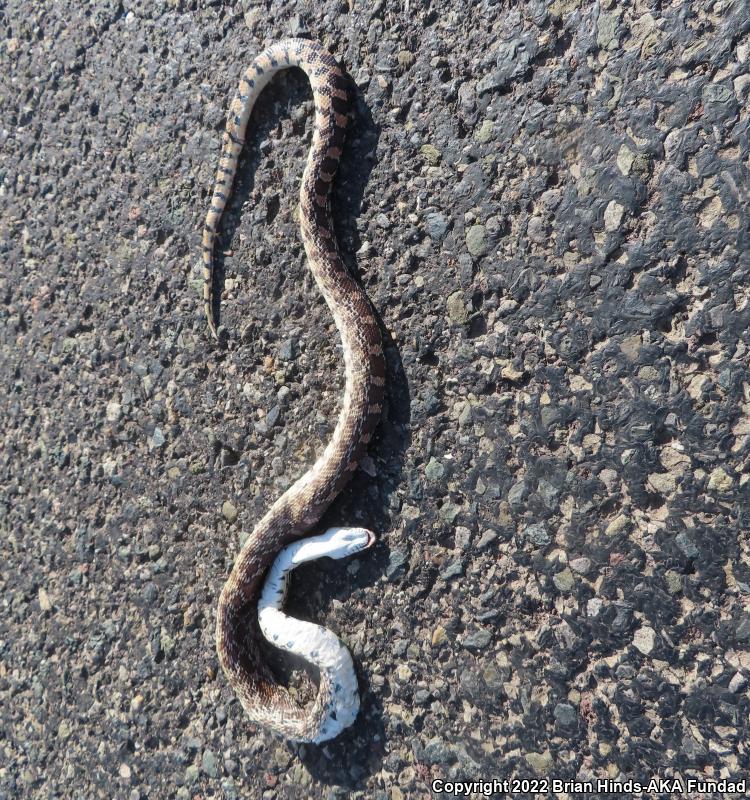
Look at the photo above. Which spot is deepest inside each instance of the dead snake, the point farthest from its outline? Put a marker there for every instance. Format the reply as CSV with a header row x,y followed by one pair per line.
x,y
299,509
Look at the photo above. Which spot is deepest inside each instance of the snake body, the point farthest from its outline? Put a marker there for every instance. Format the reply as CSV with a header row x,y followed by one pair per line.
x,y
298,510
315,644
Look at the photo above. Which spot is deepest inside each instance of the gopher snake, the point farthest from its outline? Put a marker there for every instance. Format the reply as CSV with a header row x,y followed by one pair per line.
x,y
302,505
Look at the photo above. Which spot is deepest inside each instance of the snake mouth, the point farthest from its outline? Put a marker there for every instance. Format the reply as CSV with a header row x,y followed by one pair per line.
x,y
371,539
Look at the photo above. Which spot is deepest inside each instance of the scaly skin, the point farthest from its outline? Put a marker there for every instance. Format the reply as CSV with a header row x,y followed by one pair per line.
x,y
298,510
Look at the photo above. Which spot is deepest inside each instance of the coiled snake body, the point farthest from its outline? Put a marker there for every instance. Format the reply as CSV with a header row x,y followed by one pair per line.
x,y
301,506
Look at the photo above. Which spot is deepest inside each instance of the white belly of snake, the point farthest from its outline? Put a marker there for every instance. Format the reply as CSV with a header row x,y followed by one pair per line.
x,y
315,644
238,629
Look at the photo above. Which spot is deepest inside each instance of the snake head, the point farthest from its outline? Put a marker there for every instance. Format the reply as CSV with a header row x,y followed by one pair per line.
x,y
345,542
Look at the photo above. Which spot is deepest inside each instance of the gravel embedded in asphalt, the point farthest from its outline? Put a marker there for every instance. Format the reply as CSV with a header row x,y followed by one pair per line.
x,y
547,205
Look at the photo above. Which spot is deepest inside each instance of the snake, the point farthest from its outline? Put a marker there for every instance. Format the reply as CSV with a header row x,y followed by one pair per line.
x,y
248,616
